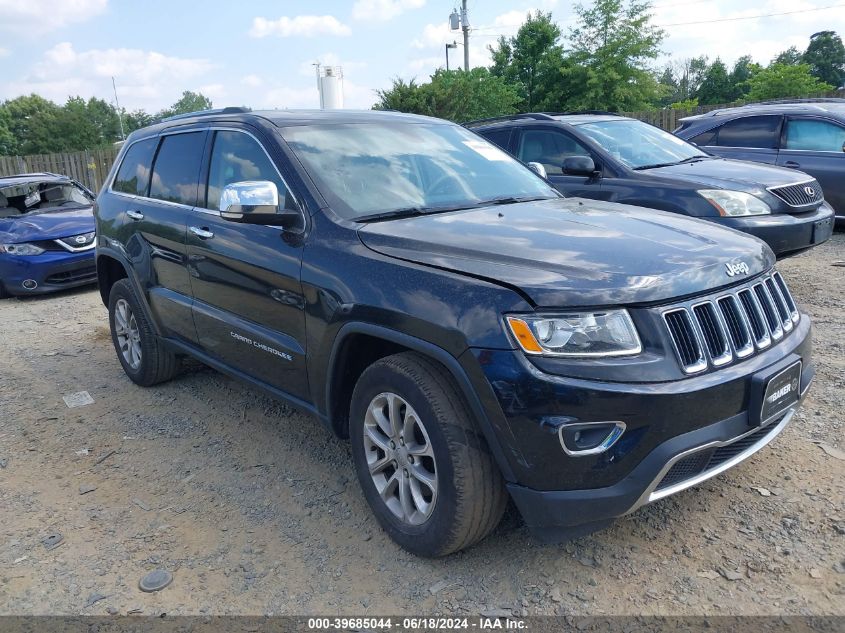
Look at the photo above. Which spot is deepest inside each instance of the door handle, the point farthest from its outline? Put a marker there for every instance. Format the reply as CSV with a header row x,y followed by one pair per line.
x,y
792,164
203,234
135,215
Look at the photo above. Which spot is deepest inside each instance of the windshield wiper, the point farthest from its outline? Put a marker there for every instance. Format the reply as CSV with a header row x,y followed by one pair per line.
x,y
393,214
688,159
511,200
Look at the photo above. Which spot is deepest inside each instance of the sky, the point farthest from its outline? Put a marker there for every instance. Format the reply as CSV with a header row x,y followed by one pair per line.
x,y
260,53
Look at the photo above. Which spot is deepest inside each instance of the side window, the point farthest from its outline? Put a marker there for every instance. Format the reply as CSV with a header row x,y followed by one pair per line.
x,y
705,138
237,157
498,137
814,135
760,132
549,148
177,166
134,173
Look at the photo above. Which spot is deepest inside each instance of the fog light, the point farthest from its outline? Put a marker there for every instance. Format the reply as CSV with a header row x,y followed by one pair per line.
x,y
589,438
30,284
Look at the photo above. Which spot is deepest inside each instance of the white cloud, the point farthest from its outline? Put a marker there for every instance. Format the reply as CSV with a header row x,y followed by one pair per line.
x,y
145,79
41,16
301,25
5,52
253,81
383,10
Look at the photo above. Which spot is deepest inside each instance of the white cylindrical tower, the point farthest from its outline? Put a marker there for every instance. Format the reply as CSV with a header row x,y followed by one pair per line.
x,y
330,85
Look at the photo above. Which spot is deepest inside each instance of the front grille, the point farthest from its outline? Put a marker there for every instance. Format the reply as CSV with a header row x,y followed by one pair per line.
x,y
798,195
730,326
89,273
708,459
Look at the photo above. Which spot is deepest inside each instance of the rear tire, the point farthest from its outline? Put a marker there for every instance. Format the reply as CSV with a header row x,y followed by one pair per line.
x,y
435,441
144,358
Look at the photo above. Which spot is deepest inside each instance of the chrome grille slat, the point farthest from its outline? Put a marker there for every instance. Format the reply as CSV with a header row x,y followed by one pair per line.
x,y
796,196
716,331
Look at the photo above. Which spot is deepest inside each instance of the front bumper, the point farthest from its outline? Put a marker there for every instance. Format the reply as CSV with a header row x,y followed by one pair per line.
x,y
677,433
50,271
785,233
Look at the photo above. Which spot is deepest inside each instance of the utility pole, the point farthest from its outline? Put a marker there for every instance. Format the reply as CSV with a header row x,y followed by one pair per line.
x,y
461,21
117,107
465,27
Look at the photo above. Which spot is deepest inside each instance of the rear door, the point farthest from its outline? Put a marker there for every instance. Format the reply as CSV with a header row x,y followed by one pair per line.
x,y
550,147
817,146
753,138
248,299
156,203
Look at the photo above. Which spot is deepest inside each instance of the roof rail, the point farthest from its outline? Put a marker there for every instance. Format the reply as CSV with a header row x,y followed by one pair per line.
x,y
537,116
601,112
187,115
805,100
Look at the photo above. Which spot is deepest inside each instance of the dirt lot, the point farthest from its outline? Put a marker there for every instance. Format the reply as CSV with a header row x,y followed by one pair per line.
x,y
255,509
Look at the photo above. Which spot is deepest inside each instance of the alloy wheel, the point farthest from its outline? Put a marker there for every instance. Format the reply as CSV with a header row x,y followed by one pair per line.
x,y
127,333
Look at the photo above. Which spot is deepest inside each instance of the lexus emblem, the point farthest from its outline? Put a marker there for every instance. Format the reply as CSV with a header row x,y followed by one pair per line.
x,y
739,268
810,192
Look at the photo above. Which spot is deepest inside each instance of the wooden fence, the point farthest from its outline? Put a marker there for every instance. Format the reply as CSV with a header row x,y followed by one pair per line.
x,y
90,167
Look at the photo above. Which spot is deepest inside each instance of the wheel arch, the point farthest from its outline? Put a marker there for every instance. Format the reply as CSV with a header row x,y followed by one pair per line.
x,y
358,345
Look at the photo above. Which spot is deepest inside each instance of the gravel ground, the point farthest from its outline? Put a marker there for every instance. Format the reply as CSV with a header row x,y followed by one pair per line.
x,y
255,509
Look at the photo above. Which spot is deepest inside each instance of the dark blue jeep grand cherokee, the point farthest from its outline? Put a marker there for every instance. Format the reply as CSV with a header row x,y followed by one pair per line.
x,y
474,334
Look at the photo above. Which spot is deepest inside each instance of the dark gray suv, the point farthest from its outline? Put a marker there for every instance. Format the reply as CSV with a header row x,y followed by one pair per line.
x,y
808,135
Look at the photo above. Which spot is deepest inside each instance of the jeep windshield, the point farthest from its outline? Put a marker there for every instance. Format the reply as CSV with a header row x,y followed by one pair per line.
x,y
373,171
640,145
22,198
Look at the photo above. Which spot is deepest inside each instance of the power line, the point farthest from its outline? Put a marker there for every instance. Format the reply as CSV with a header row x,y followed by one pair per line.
x,y
753,17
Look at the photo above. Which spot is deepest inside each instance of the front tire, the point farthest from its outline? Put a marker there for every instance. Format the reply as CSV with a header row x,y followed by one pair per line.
x,y
424,467
143,357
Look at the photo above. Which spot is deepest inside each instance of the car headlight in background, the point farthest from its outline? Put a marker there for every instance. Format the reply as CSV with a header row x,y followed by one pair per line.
x,y
735,203
599,333
21,249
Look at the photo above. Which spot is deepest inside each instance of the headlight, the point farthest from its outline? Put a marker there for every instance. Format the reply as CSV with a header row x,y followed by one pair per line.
x,y
21,249
735,203
600,333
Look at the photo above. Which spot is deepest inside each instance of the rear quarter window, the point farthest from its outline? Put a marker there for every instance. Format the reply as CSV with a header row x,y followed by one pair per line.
x,y
761,132
134,173
498,137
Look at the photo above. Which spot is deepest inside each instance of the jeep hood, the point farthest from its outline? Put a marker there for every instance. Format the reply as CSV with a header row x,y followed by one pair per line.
x,y
46,225
575,252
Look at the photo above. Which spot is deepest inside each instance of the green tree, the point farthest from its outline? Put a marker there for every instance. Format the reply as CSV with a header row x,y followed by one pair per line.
x,y
826,57
531,61
613,44
189,102
744,69
453,95
32,124
7,141
790,56
136,120
783,80
716,86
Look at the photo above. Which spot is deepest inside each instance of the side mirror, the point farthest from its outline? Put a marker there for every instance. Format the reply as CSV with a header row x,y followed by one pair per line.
x,y
579,166
538,169
256,202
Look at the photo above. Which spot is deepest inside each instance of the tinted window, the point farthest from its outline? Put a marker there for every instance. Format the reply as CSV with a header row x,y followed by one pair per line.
x,y
549,148
134,173
237,157
498,137
753,131
707,138
814,134
176,169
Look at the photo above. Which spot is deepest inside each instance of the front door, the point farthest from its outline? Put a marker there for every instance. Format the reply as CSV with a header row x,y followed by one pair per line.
x,y
817,146
248,301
